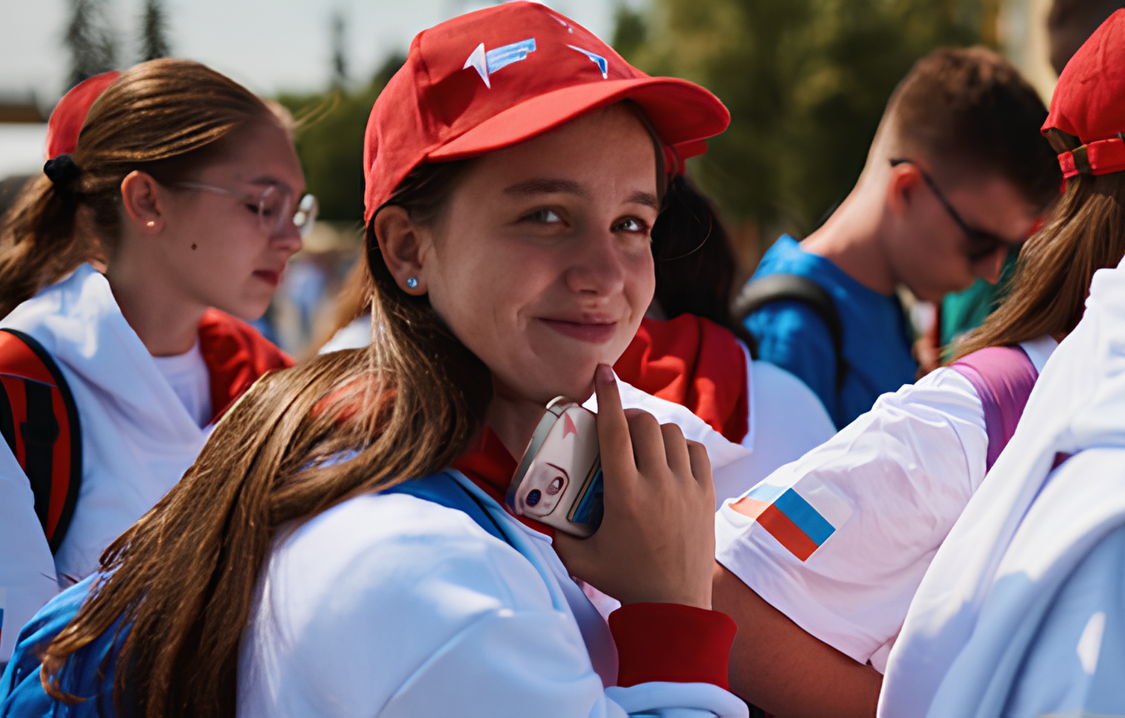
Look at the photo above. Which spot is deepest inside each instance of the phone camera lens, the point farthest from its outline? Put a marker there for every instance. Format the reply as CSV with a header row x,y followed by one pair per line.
x,y
533,497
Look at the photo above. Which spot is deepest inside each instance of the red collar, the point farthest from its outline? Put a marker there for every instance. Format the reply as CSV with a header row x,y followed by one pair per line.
x,y
236,356
488,464
695,363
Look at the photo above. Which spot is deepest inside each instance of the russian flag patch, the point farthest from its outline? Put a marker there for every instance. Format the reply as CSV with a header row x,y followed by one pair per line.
x,y
800,525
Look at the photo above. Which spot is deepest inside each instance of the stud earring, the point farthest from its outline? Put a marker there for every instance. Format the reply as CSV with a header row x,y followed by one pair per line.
x,y
151,223
412,282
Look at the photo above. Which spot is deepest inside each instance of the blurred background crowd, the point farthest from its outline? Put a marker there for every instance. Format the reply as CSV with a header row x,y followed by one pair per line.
x,y
806,82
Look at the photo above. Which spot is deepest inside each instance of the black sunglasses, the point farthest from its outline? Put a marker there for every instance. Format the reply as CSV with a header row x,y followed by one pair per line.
x,y
982,244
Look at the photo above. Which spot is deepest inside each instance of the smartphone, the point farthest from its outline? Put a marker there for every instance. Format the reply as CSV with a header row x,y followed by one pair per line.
x,y
559,479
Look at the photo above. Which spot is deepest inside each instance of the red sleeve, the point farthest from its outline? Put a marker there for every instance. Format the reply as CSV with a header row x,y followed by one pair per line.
x,y
695,363
236,356
673,643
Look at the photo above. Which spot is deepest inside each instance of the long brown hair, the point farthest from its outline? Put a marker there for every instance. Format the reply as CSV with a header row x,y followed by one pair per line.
x,y
1052,278
164,117
183,577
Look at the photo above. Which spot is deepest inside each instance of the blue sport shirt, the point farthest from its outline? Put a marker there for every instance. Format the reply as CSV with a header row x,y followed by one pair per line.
x,y
877,338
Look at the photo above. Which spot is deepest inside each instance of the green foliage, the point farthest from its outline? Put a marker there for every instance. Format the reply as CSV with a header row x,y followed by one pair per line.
x,y
330,143
806,82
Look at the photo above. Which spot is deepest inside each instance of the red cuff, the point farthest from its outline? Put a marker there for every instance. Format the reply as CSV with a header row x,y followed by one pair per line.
x,y
670,642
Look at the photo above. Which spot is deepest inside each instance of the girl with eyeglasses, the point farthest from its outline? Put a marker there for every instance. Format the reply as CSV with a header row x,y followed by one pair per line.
x,y
166,214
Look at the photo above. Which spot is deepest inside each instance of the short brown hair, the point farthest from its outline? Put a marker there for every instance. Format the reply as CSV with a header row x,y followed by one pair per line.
x,y
969,110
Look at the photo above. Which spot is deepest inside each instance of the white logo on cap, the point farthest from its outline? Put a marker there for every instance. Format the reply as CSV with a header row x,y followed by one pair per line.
x,y
598,60
486,63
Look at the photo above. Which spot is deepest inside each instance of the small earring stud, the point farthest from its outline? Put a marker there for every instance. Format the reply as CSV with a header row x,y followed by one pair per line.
x,y
151,223
412,282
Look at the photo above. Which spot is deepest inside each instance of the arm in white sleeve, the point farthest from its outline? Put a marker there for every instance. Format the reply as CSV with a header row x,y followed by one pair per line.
x,y
27,570
786,420
394,606
887,490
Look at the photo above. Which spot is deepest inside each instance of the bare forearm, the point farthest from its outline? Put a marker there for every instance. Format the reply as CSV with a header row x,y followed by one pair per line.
x,y
780,668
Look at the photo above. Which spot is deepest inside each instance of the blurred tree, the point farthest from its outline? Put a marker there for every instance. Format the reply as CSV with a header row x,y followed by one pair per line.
x,y
629,31
330,142
339,51
806,82
93,48
154,31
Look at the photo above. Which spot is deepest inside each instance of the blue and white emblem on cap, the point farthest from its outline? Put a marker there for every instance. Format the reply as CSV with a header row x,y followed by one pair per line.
x,y
486,63
598,60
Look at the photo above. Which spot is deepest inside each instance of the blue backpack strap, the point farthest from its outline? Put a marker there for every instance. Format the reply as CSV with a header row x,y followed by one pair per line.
x,y
444,490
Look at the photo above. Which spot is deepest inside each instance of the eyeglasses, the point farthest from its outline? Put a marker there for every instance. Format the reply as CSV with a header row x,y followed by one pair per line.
x,y
274,206
981,243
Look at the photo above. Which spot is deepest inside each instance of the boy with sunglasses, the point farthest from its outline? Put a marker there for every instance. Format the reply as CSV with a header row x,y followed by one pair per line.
x,y
956,176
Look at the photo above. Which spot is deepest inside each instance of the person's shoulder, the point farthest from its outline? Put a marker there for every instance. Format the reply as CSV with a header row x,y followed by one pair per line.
x,y
355,335
779,393
785,256
399,550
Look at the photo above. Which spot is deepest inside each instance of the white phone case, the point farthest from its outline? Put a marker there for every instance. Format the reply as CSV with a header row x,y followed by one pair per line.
x,y
559,479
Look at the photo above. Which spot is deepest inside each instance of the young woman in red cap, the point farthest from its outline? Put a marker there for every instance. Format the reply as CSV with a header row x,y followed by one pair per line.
x,y
169,204
310,564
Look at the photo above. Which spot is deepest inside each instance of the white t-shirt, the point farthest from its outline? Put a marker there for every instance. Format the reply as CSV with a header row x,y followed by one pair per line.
x,y
877,500
188,376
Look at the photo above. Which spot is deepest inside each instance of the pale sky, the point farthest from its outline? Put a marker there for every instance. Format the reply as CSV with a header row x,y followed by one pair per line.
x,y
268,45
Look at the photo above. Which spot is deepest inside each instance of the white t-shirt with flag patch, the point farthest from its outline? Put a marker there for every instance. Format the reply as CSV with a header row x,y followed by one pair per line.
x,y
839,540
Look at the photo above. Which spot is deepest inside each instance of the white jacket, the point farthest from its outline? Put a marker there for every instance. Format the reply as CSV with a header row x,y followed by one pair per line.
x,y
1022,611
137,437
27,571
390,605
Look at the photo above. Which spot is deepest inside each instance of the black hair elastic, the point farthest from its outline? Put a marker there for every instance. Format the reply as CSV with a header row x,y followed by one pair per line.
x,y
61,171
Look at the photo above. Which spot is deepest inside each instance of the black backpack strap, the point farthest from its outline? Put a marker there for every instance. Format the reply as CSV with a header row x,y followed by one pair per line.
x,y
795,288
38,415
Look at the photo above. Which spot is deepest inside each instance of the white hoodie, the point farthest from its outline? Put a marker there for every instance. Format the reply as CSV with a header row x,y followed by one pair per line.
x,y
1022,611
137,437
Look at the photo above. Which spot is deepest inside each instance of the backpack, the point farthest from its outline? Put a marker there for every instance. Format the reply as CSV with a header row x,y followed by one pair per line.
x,y
795,288
39,420
90,673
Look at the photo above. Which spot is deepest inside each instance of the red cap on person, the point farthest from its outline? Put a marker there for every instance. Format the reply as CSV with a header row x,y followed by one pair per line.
x,y
70,114
495,77
1089,102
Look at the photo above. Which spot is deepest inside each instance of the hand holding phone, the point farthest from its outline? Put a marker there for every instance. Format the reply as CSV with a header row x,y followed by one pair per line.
x,y
656,542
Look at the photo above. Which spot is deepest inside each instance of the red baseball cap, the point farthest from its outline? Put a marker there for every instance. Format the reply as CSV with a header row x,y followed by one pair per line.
x,y
495,77
1089,102
70,114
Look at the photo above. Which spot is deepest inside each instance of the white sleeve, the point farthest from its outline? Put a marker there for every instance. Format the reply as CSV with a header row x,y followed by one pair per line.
x,y
786,421
885,491
392,606
27,570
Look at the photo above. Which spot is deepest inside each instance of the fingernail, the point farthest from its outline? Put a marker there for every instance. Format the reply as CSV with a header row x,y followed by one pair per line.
x,y
605,374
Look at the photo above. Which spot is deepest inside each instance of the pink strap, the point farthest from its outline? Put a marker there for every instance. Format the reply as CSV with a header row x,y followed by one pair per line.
x,y
1003,378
